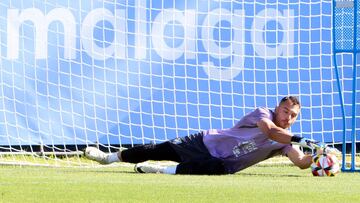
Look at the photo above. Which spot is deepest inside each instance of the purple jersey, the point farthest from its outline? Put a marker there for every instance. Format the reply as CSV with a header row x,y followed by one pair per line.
x,y
244,144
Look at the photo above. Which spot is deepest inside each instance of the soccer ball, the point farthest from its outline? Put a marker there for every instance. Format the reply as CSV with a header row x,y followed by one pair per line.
x,y
325,165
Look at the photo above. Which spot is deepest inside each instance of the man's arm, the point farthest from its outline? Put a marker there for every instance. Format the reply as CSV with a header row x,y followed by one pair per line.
x,y
283,136
299,158
274,132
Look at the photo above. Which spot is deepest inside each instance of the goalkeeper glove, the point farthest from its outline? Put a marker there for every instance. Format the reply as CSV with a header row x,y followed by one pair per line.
x,y
304,142
330,150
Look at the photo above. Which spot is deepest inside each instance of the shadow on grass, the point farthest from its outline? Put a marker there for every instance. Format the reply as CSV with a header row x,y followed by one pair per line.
x,y
102,171
269,175
237,174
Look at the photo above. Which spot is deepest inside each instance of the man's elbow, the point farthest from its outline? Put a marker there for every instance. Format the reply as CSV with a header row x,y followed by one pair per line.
x,y
303,166
304,163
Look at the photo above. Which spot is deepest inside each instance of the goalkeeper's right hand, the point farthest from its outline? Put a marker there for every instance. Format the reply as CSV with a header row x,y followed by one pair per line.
x,y
304,142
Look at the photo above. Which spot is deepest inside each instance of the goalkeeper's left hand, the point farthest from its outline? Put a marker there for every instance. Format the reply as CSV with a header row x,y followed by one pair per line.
x,y
304,142
328,150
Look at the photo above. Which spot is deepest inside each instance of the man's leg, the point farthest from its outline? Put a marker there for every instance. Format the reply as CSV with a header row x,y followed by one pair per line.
x,y
156,152
97,155
146,167
211,166
137,154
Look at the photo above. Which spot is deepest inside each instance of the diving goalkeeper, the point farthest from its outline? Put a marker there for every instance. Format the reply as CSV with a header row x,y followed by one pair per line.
x,y
259,135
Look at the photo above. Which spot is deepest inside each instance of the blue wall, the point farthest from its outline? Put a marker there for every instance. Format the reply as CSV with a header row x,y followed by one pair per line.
x,y
135,71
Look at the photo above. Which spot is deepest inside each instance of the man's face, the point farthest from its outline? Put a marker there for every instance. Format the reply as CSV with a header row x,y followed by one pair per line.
x,y
286,114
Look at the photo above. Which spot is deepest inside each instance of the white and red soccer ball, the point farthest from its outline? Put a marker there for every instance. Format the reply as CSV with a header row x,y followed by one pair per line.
x,y
325,165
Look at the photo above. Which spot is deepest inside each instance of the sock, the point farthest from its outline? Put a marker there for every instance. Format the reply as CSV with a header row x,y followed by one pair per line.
x,y
170,170
113,157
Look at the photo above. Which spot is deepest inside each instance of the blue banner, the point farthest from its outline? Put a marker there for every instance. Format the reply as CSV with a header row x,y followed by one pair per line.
x,y
131,72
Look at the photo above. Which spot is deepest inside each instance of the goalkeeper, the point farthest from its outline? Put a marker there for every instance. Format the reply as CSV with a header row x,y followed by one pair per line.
x,y
259,135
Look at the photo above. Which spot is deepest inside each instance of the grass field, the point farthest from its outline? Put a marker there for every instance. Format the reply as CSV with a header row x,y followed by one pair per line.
x,y
121,184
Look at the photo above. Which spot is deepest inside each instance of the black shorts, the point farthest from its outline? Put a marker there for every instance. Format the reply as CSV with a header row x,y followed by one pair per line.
x,y
178,150
190,152
190,147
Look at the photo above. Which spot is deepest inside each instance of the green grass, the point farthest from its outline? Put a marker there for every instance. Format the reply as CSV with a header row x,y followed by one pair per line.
x,y
120,184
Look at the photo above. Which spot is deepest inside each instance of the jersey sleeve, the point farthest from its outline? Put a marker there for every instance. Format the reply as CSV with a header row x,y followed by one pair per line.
x,y
252,118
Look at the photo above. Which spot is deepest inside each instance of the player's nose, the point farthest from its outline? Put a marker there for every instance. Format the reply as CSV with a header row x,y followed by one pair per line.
x,y
289,117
